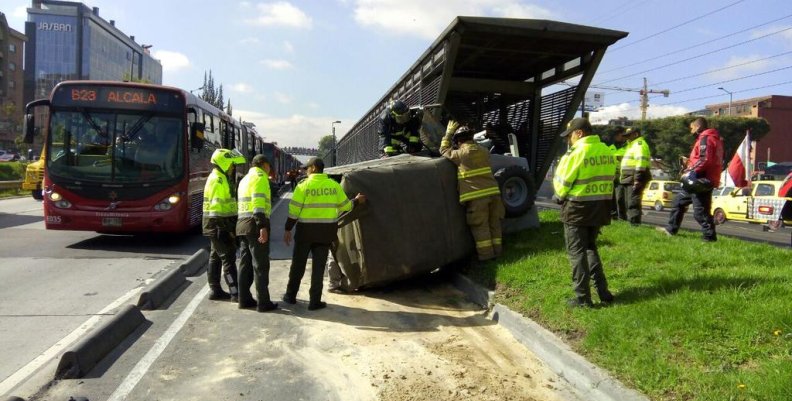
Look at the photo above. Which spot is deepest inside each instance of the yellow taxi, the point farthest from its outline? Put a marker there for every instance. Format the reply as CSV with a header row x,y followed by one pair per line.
x,y
729,203
659,194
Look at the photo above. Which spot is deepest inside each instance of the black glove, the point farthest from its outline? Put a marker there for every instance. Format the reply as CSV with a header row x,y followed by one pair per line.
x,y
557,200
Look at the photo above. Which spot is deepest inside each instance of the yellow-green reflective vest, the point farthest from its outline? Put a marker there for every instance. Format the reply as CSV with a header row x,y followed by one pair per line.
x,y
586,171
318,199
637,159
254,194
218,201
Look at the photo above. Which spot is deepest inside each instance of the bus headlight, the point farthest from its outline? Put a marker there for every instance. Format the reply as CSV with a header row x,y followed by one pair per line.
x,y
58,200
168,203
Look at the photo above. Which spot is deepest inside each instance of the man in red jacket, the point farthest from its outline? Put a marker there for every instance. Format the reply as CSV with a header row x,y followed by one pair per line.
x,y
706,162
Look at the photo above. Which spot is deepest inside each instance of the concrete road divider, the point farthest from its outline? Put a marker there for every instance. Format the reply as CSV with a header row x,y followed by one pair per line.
x,y
12,398
80,359
161,290
194,263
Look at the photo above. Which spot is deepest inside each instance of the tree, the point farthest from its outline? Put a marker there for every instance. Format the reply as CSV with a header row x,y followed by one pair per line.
x,y
228,110
219,102
326,148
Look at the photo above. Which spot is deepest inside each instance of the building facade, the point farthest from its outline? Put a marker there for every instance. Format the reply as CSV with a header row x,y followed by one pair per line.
x,y
777,110
68,41
12,103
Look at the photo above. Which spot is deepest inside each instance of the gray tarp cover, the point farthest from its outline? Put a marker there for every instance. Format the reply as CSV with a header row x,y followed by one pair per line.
x,y
412,223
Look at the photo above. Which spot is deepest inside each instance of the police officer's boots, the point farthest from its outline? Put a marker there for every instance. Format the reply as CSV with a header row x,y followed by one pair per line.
x,y
216,293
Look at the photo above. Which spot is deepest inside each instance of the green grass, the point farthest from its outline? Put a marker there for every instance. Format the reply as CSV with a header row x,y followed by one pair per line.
x,y
692,320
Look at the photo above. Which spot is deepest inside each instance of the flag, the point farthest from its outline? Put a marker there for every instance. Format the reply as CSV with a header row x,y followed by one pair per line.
x,y
739,170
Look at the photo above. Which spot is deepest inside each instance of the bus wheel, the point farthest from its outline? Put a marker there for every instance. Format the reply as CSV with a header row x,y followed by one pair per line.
x,y
719,216
36,194
517,190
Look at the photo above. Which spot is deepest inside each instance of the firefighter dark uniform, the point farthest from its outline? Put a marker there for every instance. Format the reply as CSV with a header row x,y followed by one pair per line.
x,y
399,130
583,185
634,174
219,222
253,227
478,190
315,207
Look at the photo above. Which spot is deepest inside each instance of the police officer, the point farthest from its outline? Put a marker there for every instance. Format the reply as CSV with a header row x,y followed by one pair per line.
x,y
314,208
618,147
219,223
253,228
399,130
478,190
634,173
583,185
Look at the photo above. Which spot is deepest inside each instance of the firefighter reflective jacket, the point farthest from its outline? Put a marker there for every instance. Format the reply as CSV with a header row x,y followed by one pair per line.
x,y
474,172
315,206
636,162
219,206
254,202
584,181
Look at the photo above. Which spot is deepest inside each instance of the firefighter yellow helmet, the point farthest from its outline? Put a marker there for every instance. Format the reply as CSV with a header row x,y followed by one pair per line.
x,y
224,158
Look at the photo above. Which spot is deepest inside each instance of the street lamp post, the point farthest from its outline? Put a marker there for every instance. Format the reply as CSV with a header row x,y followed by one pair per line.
x,y
335,151
730,98
197,89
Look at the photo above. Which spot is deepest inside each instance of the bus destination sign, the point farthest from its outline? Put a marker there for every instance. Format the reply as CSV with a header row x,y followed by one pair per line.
x,y
118,97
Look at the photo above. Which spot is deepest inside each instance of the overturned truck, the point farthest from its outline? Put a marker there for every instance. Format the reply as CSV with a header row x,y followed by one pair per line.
x,y
495,72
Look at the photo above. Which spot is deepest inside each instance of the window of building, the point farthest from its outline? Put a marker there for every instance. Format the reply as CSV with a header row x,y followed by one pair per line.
x,y
11,84
11,66
12,48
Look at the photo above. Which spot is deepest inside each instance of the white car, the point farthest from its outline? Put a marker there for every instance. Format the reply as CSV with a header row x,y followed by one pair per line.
x,y
6,156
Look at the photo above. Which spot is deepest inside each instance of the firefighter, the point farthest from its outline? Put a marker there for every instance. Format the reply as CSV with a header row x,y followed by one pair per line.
x,y
478,190
314,208
399,130
634,173
219,223
253,228
583,186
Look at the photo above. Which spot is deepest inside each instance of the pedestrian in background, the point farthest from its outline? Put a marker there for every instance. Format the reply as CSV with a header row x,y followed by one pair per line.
x,y
618,147
219,223
478,190
583,186
252,229
634,173
700,176
315,207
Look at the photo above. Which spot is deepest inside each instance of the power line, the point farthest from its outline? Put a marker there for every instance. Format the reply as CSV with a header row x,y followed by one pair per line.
x,y
724,68
695,46
697,56
735,79
615,13
679,25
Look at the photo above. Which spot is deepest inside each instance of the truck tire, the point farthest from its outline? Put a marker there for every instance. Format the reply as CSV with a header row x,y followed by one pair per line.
x,y
719,216
36,194
517,190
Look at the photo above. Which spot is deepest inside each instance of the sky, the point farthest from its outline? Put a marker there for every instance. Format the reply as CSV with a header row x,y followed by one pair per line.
x,y
293,67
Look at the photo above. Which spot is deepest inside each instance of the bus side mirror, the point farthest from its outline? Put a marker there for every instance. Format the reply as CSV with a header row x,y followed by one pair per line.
x,y
197,135
30,129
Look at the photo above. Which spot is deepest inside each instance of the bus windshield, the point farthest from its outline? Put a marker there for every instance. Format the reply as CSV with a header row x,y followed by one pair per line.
x,y
115,147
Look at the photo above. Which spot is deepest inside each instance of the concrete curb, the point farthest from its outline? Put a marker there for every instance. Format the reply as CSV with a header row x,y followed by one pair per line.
x,y
591,382
81,358
161,290
13,398
194,263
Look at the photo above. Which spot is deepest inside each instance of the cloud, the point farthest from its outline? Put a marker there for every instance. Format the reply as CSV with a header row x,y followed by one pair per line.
x,y
288,47
16,18
281,97
276,64
414,17
241,87
633,112
295,130
250,41
171,61
785,35
741,66
281,13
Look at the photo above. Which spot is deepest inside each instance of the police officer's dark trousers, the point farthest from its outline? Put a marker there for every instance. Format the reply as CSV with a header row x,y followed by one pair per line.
x,y
582,252
634,195
254,267
622,196
319,253
702,203
222,252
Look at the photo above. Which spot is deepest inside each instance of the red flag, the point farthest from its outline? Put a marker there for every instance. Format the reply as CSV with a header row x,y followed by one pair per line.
x,y
740,165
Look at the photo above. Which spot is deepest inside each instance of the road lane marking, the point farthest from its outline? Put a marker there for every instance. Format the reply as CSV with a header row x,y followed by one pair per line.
x,y
140,369
278,204
26,371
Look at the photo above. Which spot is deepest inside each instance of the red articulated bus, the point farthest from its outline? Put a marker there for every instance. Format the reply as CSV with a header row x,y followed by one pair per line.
x,y
128,157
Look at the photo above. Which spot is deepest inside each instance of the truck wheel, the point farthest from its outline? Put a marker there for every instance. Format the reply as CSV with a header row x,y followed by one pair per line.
x,y
658,206
36,194
775,225
719,216
517,190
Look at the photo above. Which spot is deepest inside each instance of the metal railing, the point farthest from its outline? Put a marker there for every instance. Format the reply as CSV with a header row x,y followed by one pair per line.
x,y
11,185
